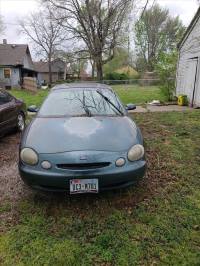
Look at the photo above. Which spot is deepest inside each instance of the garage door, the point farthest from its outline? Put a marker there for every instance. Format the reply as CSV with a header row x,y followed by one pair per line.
x,y
190,78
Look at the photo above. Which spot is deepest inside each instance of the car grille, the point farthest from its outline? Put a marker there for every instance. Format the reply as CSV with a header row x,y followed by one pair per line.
x,y
83,166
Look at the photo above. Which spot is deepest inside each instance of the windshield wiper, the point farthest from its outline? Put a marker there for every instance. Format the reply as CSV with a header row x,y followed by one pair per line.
x,y
107,100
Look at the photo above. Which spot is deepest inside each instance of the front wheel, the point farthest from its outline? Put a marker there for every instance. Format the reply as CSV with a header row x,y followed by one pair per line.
x,y
20,122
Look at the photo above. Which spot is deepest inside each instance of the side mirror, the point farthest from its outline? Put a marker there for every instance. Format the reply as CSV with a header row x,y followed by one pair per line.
x,y
19,100
130,107
33,109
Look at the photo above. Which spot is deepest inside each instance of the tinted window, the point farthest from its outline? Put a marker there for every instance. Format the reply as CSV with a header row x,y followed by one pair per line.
x,y
4,97
77,102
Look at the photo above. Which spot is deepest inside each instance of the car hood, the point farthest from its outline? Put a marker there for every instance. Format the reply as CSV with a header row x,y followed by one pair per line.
x,y
55,135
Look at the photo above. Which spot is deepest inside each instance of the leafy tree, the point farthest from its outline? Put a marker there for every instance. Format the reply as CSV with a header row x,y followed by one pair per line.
x,y
166,70
120,60
122,63
156,32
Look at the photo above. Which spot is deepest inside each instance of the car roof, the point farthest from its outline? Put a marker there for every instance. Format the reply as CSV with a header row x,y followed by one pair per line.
x,y
91,86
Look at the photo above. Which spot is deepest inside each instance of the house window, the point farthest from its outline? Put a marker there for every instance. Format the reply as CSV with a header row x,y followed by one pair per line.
x,y
7,73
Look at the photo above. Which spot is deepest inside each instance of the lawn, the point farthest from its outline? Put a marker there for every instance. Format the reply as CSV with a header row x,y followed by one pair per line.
x,y
155,223
128,94
138,94
30,98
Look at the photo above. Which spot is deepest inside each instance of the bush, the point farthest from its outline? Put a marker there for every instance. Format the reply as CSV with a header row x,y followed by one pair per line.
x,y
166,69
116,76
129,71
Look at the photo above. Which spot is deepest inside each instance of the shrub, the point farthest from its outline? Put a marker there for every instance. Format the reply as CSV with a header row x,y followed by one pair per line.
x,y
129,71
166,69
116,76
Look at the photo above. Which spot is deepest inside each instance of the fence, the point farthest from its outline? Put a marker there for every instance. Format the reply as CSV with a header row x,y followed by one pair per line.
x,y
30,84
140,82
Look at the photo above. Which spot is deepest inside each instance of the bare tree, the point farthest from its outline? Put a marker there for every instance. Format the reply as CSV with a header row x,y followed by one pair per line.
x,y
99,23
74,60
144,8
46,32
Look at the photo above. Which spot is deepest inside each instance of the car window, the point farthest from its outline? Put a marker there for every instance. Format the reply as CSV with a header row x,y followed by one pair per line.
x,y
77,102
4,97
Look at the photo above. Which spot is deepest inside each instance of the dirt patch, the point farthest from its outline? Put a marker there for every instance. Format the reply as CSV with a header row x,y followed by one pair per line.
x,y
11,186
13,190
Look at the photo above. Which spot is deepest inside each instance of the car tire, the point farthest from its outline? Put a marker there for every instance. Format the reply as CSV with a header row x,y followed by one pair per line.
x,y
20,122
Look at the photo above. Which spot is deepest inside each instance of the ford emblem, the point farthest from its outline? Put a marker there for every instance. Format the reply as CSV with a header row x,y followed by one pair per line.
x,y
83,157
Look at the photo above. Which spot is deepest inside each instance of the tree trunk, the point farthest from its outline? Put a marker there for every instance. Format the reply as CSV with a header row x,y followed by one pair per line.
x,y
50,71
65,71
93,67
92,71
79,68
99,67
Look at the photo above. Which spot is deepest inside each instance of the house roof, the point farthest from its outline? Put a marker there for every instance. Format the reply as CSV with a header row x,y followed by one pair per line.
x,y
12,54
190,28
43,66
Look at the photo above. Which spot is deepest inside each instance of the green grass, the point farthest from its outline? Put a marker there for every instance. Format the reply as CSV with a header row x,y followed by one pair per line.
x,y
138,94
128,94
156,223
30,98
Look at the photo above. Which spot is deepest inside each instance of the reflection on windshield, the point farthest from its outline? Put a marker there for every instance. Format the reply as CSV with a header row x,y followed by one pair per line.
x,y
80,102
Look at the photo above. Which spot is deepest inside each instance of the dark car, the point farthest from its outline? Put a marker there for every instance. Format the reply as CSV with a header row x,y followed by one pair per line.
x,y
12,113
81,141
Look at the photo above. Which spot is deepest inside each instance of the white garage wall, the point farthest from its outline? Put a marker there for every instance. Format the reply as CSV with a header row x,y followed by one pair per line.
x,y
190,49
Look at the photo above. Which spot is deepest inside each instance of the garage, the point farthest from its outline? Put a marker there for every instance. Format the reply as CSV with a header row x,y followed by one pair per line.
x,y
188,70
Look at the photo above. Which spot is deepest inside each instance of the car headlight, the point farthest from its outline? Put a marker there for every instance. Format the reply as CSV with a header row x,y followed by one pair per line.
x,y
136,153
29,156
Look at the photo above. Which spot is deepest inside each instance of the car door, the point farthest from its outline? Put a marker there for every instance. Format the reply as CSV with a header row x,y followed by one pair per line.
x,y
8,111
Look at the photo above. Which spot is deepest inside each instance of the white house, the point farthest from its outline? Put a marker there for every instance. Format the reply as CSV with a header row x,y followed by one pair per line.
x,y
188,70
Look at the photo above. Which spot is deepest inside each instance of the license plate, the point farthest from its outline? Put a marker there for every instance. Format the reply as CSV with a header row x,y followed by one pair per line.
x,y
84,186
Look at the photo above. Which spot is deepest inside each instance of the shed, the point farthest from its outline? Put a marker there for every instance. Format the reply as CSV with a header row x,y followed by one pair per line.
x,y
188,68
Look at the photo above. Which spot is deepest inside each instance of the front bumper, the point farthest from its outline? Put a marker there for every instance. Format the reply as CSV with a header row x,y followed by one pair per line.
x,y
110,177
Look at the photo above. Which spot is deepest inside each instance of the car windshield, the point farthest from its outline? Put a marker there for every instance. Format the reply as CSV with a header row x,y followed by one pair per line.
x,y
81,102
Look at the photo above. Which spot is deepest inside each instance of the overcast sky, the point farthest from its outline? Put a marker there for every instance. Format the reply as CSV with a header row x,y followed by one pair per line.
x,y
12,10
